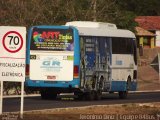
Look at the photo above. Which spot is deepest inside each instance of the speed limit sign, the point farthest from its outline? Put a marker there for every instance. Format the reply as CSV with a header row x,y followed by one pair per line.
x,y
12,58
12,41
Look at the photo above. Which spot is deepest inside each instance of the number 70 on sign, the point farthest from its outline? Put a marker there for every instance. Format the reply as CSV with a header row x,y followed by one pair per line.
x,y
12,41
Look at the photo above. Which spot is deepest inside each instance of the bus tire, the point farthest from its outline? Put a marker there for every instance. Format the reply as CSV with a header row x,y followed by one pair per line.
x,y
98,95
123,94
90,95
79,96
128,83
45,95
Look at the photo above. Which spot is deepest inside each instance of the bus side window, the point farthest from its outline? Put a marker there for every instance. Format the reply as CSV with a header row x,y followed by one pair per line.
x,y
122,46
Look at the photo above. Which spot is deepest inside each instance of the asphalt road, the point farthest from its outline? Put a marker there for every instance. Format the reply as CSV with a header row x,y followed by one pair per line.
x,y
35,103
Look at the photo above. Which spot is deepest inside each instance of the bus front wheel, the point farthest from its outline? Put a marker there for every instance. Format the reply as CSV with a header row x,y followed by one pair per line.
x,y
124,94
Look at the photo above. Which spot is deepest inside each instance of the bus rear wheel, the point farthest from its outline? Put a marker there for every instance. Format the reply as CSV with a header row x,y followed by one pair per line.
x,y
79,96
123,94
98,95
93,95
90,95
47,94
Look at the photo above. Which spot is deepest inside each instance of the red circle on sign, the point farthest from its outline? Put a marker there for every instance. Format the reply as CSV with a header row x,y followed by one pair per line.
x,y
3,41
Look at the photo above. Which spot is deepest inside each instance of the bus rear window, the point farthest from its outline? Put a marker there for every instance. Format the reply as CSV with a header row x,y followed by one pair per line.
x,y
52,39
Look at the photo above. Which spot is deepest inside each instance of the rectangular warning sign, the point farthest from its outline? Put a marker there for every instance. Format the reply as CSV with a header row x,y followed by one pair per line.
x,y
13,53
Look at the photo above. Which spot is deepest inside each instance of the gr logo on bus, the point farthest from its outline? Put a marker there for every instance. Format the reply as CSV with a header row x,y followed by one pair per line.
x,y
51,63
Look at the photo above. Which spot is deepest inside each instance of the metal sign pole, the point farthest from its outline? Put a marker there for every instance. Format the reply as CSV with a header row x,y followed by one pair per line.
x,y
1,98
159,65
22,100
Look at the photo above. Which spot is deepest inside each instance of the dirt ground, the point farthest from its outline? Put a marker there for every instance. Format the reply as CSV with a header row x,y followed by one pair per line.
x,y
148,78
146,111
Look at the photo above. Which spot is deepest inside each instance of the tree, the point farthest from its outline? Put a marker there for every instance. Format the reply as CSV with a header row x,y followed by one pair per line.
x,y
141,7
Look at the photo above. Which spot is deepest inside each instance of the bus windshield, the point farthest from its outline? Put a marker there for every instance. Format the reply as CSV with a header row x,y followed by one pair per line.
x,y
47,39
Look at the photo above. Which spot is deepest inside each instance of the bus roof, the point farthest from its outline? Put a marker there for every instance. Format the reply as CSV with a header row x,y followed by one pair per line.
x,y
87,28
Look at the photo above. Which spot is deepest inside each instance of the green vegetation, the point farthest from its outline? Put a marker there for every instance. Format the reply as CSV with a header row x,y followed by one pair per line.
x,y
58,12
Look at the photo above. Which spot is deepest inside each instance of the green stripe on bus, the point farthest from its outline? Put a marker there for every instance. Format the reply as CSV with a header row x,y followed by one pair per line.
x,y
69,57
